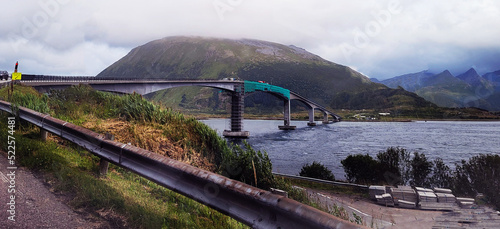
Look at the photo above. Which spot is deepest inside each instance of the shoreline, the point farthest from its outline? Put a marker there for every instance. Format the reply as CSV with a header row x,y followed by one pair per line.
x,y
319,120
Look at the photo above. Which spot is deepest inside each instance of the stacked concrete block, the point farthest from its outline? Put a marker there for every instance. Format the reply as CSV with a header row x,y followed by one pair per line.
x,y
376,190
445,198
420,189
385,199
405,193
465,202
426,195
406,204
442,190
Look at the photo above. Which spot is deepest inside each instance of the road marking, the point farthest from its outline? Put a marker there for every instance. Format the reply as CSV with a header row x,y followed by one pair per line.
x,y
360,212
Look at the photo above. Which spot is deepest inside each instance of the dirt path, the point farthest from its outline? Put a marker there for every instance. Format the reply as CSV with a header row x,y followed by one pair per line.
x,y
35,206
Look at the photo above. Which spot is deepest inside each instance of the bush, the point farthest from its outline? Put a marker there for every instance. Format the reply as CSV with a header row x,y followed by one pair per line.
x,y
394,165
316,170
479,175
361,169
442,176
421,168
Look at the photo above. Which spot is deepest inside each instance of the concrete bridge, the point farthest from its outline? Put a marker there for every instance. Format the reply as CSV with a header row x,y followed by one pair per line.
x,y
237,88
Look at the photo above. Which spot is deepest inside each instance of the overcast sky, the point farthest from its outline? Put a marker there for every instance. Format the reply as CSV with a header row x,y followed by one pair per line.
x,y
379,38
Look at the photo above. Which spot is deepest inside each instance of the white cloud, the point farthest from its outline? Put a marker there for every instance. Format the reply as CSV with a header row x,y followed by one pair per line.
x,y
83,37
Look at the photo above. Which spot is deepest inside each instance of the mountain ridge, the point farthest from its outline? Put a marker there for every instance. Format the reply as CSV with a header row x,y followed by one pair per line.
x,y
468,89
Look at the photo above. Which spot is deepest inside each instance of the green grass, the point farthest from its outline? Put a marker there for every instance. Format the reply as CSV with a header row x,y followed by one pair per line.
x,y
137,202
143,203
351,191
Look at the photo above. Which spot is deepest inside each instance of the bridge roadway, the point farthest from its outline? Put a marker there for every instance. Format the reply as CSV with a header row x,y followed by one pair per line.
x,y
237,88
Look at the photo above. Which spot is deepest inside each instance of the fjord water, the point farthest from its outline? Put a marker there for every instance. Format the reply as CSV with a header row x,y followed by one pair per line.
x,y
329,144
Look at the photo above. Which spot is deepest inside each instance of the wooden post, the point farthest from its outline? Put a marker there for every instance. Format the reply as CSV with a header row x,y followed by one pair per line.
x,y
104,164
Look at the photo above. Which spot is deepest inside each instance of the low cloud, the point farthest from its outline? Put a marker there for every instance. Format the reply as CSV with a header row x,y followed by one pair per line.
x,y
387,38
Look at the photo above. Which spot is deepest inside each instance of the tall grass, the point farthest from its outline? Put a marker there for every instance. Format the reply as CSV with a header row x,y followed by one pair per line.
x,y
76,102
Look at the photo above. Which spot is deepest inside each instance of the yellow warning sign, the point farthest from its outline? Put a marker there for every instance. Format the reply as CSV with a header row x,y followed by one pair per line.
x,y
16,76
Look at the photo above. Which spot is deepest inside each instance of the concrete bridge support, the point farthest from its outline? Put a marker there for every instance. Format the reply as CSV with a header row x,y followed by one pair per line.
x,y
311,118
286,118
325,119
237,109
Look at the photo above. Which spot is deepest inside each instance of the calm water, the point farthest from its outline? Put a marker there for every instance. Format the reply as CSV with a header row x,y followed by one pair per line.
x,y
329,144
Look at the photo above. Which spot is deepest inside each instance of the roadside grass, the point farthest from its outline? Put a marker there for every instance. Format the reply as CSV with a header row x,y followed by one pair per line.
x,y
122,197
334,189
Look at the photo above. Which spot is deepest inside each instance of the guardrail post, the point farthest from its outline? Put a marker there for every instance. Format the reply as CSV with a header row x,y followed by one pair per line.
x,y
43,134
104,164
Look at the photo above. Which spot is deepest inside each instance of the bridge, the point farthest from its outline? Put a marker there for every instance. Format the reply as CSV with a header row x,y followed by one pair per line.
x,y
237,88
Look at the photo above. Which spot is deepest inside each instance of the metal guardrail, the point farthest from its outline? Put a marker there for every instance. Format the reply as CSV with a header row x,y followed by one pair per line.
x,y
322,181
252,206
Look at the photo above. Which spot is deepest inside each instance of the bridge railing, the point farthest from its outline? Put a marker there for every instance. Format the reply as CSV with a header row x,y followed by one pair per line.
x,y
251,86
252,206
317,105
31,77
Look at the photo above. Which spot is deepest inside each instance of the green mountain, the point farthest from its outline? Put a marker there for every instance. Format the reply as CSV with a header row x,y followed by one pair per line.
x,y
446,90
211,58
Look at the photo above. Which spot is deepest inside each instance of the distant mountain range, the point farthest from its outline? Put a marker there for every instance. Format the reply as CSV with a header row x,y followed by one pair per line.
x,y
325,82
444,89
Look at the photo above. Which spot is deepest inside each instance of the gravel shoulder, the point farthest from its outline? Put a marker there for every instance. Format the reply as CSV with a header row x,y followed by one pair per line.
x,y
35,206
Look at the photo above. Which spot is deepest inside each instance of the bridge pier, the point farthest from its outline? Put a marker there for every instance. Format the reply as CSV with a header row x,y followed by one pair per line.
x,y
311,118
237,109
325,119
286,118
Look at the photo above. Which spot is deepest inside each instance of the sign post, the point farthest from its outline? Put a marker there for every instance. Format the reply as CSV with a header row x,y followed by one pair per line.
x,y
15,76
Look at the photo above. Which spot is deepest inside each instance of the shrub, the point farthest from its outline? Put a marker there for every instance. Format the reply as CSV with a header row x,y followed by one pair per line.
x,y
421,168
479,175
317,170
442,176
360,169
394,165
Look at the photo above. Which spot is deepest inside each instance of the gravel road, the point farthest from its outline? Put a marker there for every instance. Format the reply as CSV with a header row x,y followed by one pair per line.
x,y
35,206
